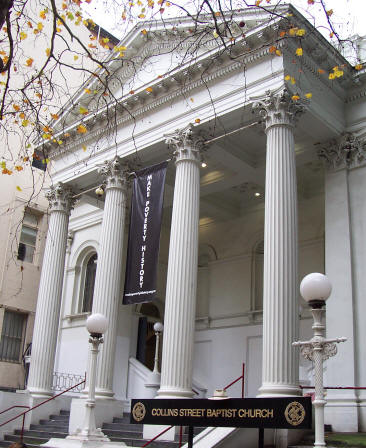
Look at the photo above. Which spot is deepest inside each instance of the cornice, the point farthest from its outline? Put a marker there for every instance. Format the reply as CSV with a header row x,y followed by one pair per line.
x,y
159,101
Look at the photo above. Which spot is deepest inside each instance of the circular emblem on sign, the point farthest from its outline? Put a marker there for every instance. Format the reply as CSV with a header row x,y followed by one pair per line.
x,y
295,413
138,411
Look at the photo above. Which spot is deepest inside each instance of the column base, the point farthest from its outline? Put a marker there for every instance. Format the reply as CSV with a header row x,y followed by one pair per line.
x,y
279,390
104,393
171,392
36,392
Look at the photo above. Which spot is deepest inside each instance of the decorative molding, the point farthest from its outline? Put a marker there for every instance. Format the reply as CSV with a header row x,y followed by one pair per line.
x,y
346,152
186,142
60,198
125,104
278,109
115,173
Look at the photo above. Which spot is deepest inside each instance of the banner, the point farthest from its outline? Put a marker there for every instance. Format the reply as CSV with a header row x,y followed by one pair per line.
x,y
144,234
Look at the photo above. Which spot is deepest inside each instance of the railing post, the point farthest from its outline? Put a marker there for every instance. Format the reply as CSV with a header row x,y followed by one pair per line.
x,y
242,381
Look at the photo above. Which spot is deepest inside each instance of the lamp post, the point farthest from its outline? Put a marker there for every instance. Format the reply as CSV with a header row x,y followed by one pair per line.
x,y
96,325
315,288
158,328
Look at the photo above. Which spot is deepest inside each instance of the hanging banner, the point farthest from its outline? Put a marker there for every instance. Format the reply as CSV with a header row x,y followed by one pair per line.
x,y
144,234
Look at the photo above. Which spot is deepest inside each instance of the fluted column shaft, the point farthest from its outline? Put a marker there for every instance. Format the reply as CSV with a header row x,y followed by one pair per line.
x,y
280,291
107,290
50,293
180,302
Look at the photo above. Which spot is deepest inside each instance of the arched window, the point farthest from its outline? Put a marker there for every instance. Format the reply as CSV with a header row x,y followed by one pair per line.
x,y
89,282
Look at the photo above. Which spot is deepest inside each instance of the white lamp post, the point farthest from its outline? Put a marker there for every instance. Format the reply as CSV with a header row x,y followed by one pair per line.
x,y
158,328
96,325
315,288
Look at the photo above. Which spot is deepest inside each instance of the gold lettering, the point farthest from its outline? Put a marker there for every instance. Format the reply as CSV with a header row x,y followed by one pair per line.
x,y
153,412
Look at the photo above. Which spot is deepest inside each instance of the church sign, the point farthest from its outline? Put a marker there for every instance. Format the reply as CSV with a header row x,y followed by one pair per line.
x,y
287,412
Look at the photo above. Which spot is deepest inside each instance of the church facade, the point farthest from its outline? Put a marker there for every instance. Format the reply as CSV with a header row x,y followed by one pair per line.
x,y
265,183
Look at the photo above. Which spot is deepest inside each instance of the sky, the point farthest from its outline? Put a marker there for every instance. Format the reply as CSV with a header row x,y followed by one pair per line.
x,y
349,16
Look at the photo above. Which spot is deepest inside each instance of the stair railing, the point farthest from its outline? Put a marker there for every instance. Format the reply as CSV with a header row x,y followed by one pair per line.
x,y
23,414
241,377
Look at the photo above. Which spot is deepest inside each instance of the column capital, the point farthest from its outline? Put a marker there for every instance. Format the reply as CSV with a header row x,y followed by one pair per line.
x,y
60,198
186,142
347,151
278,108
114,172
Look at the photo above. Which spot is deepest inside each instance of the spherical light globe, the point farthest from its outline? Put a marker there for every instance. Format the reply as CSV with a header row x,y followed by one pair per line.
x,y
97,324
315,288
159,327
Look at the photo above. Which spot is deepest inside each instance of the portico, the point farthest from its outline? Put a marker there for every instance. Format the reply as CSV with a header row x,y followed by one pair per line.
x,y
261,188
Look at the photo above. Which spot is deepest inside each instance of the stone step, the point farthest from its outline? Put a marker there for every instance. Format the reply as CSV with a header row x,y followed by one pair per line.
x,y
42,434
4,443
27,440
118,426
60,417
49,428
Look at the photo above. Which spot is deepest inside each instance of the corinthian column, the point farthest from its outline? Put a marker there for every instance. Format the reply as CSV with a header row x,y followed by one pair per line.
x,y
107,290
50,292
280,282
180,302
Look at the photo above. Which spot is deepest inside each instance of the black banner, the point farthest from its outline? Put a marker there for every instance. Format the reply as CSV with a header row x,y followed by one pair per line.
x,y
288,412
144,234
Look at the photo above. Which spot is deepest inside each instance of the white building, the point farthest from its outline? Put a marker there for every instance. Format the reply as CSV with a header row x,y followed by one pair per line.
x,y
286,194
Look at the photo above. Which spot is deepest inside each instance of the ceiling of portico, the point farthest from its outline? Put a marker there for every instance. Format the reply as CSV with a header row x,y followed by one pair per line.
x,y
233,181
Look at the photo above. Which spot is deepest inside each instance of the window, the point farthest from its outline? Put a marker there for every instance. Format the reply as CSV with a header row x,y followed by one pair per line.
x,y
12,336
90,272
39,160
28,238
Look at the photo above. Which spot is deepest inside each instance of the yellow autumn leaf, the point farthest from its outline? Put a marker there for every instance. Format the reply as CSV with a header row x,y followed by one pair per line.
x,y
300,32
83,110
144,32
81,129
278,52
149,89
16,107
18,168
23,35
197,120
292,31
287,78
308,95
358,67
25,123
299,52
331,76
40,26
258,2
42,14
87,90
55,116
48,51
329,12
76,57
215,34
105,39
22,115
84,148
321,71
18,188
295,97
29,62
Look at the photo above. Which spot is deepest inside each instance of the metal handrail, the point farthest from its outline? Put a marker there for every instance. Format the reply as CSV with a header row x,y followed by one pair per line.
x,y
335,387
160,434
241,377
23,414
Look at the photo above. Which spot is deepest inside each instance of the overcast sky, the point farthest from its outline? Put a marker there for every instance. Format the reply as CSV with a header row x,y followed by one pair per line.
x,y
349,16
